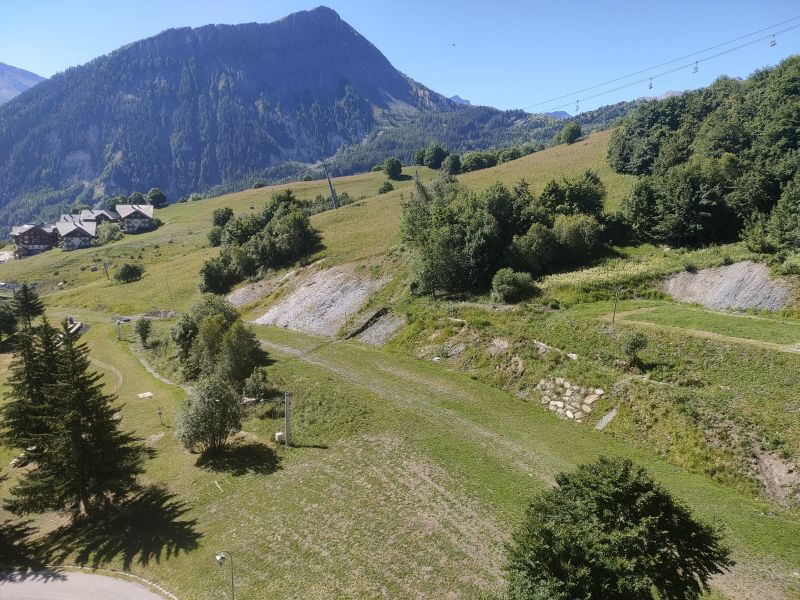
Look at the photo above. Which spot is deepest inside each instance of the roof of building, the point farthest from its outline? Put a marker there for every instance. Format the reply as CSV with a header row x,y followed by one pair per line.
x,y
90,214
70,227
126,210
20,229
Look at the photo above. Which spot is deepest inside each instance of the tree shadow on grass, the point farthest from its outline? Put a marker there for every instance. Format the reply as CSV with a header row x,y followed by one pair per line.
x,y
241,458
144,528
21,555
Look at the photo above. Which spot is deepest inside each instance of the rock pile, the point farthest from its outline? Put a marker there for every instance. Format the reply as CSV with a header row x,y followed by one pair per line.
x,y
568,400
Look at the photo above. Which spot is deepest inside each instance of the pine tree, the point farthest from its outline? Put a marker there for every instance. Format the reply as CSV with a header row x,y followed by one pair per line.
x,y
30,372
27,305
84,461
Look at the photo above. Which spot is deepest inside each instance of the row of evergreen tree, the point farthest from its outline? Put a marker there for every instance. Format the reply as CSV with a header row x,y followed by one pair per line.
x,y
58,414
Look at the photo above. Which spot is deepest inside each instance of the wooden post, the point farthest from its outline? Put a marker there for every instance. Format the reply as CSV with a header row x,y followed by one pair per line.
x,y
614,314
287,414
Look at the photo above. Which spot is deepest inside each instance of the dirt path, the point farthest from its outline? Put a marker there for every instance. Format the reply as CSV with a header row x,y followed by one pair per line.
x,y
112,369
441,398
148,367
404,389
620,318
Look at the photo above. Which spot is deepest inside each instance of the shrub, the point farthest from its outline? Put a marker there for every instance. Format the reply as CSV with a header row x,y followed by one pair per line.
x,y
221,216
143,328
392,167
632,345
212,414
215,235
257,386
570,134
435,155
535,251
509,286
129,272
385,187
107,232
258,185
578,236
452,165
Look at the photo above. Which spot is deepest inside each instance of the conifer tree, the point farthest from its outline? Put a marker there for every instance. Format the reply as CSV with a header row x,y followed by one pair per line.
x,y
26,305
85,461
31,372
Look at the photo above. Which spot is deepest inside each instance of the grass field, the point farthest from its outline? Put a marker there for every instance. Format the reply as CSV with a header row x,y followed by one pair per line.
x,y
747,327
406,480
409,475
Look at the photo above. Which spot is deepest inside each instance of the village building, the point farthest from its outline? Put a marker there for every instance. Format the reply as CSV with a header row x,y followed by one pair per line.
x,y
135,217
99,215
33,238
74,233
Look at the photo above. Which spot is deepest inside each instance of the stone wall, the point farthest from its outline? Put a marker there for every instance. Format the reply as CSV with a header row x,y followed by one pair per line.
x,y
568,400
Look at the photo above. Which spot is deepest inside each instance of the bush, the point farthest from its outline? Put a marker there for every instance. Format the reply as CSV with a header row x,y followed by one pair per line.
x,y
218,275
221,216
452,165
385,187
609,531
570,134
632,345
535,251
258,185
156,197
435,155
215,235
143,328
107,232
509,286
257,386
212,414
578,236
392,167
129,272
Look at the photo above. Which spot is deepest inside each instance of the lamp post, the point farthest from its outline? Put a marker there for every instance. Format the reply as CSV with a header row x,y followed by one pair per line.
x,y
221,557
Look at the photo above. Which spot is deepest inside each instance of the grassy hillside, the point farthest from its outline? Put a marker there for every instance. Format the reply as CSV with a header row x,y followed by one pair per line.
x,y
410,472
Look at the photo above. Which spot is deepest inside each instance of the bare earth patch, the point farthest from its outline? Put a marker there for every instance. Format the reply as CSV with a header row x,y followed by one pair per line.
x,y
738,286
258,290
381,330
322,301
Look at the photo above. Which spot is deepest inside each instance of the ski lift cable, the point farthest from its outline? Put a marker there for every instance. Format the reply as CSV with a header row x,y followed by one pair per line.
x,y
676,69
664,64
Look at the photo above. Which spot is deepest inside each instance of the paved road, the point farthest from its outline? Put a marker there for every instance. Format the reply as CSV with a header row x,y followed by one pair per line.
x,y
74,586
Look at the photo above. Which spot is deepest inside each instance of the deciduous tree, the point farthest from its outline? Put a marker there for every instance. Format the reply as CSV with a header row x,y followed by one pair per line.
x,y
609,531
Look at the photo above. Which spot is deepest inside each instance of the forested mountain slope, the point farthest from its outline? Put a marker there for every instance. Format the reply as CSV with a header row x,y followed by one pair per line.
x,y
219,107
192,108
717,163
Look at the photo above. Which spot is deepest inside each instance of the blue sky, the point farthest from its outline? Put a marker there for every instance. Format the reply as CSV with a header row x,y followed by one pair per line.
x,y
508,54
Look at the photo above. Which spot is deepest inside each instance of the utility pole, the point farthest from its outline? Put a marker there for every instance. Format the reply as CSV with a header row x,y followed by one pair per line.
x,y
334,201
287,415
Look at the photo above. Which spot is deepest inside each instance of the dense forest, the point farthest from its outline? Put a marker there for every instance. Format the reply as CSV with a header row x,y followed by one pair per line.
x,y
718,163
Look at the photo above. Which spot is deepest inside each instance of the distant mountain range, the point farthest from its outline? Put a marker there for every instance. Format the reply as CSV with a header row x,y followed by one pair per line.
x,y
14,81
219,107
